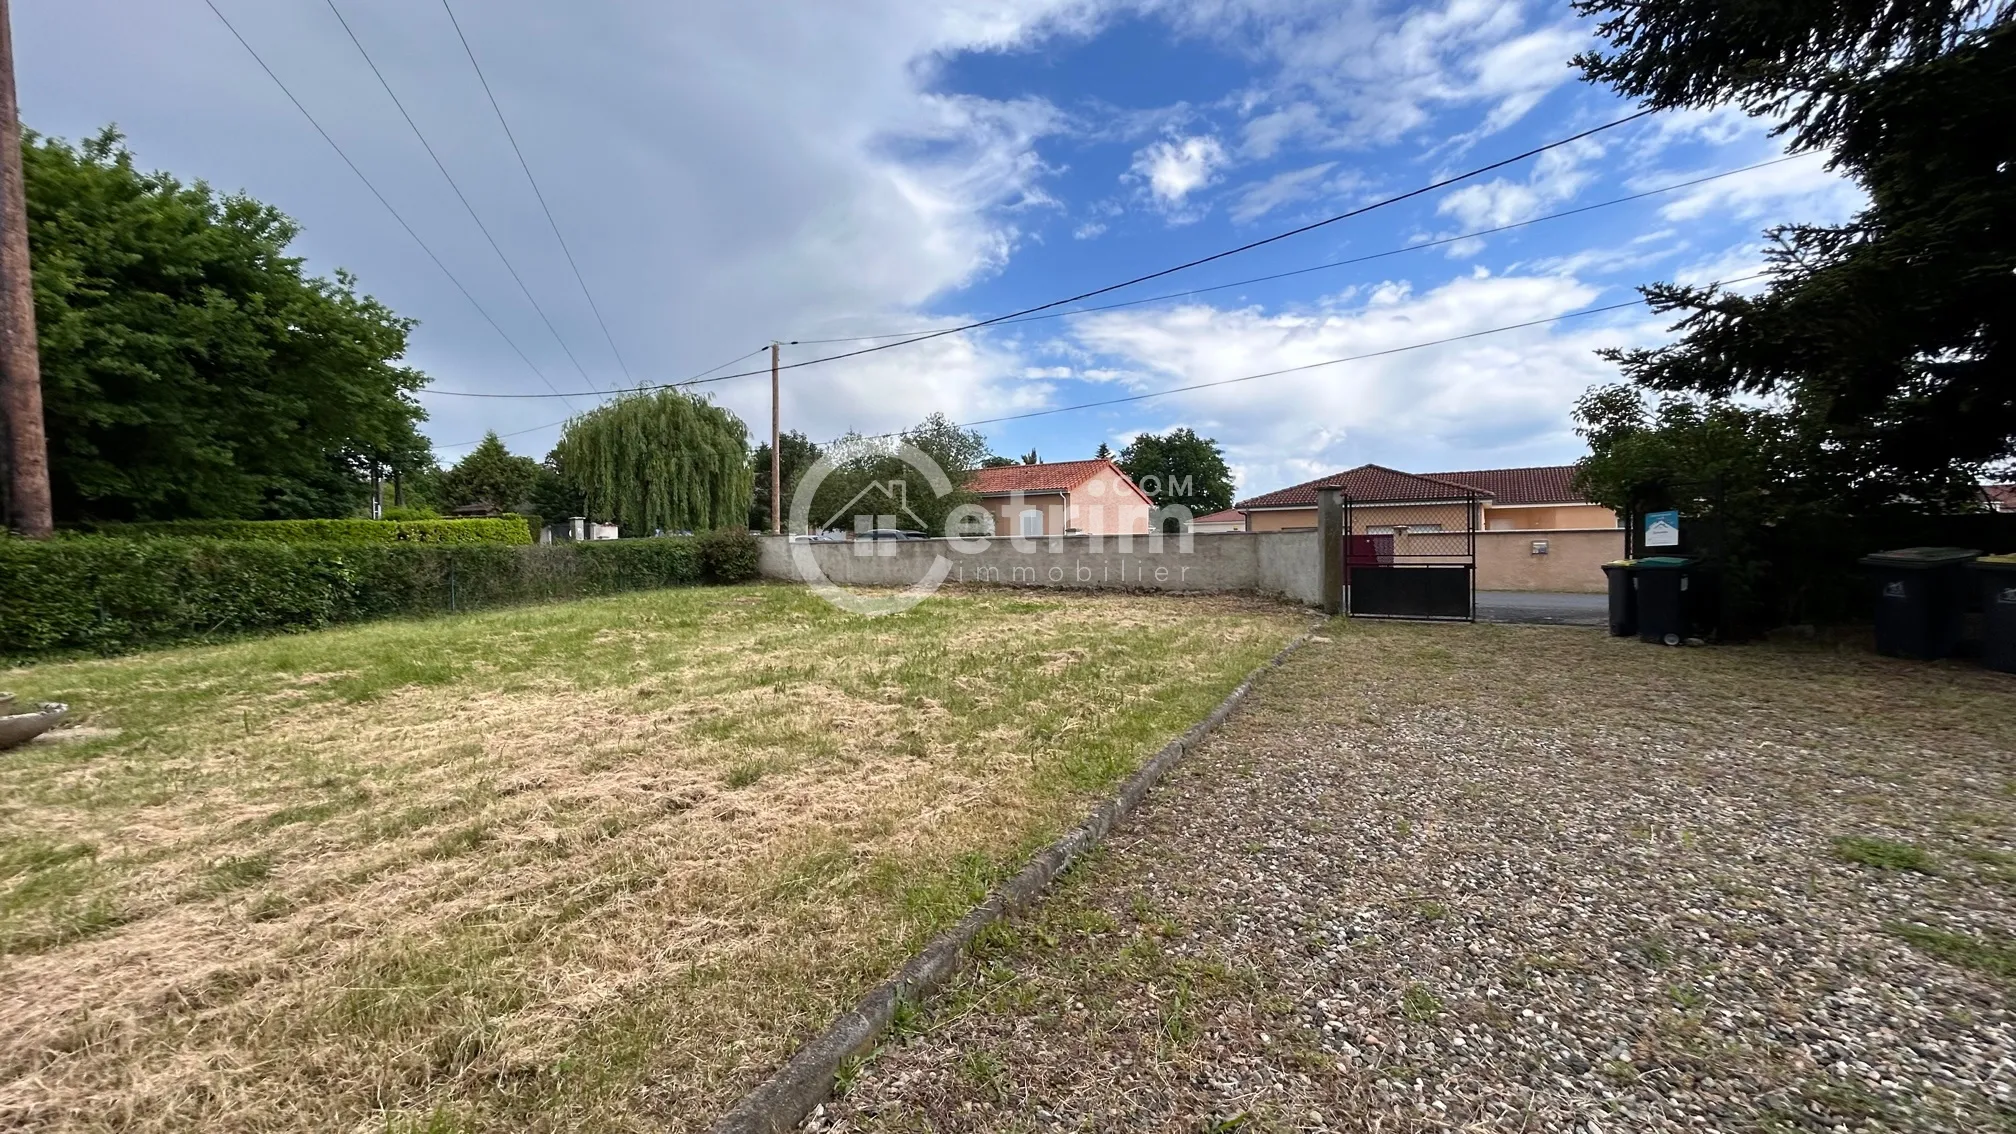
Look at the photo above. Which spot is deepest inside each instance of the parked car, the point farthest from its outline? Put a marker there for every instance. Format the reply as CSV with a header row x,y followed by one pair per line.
x,y
891,533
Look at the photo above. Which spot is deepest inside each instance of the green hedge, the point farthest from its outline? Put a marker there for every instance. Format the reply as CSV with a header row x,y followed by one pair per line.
x,y
108,595
461,533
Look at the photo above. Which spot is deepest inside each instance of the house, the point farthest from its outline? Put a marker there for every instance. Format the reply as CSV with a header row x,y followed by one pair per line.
x,y
1230,520
2001,497
1524,529
1528,499
1093,497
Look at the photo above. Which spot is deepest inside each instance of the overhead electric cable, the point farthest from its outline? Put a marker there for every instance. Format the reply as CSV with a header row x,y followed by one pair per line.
x,y
460,196
1248,246
466,294
1327,265
1306,366
695,380
536,192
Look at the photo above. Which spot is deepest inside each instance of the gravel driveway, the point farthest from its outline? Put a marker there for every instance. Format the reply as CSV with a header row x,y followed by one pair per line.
x,y
1519,878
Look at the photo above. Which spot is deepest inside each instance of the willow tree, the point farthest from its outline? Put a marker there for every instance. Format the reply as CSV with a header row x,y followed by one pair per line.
x,y
665,460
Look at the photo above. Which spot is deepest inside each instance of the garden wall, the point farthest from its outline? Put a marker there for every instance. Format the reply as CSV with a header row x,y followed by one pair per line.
x,y
1573,562
1275,563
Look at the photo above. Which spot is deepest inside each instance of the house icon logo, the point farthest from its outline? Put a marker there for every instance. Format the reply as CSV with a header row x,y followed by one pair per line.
x,y
882,504
879,504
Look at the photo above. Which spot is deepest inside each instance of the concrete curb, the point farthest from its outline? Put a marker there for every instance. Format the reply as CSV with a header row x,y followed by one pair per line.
x,y
781,1102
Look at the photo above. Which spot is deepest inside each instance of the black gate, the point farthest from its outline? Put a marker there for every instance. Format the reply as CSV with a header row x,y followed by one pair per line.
x,y
1412,558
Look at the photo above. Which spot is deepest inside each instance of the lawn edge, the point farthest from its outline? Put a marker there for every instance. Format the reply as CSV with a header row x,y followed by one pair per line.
x,y
779,1103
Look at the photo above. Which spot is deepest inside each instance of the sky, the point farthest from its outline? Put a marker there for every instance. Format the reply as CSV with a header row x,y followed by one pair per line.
x,y
726,174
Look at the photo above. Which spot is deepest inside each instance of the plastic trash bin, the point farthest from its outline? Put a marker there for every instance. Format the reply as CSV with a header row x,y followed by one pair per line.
x,y
1997,576
1921,599
1665,599
1623,597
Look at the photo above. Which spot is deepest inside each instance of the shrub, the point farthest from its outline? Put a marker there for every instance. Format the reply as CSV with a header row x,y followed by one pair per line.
x,y
501,530
107,595
405,512
728,555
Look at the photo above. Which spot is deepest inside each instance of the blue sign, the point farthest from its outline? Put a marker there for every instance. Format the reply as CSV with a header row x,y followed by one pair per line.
x,y
1662,529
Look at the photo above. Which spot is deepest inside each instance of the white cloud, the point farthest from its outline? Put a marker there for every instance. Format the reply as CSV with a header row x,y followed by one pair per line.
x,y
1798,190
1496,398
1283,188
1088,231
1174,168
726,172
1557,176
1366,72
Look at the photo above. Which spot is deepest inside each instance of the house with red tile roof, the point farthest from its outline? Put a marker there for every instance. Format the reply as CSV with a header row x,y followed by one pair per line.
x,y
1541,498
1093,497
1230,520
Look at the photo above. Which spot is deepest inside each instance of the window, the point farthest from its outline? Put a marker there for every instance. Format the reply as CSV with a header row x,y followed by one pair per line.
x,y
1032,521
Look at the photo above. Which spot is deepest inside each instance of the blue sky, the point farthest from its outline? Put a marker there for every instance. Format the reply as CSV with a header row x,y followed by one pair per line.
x,y
729,173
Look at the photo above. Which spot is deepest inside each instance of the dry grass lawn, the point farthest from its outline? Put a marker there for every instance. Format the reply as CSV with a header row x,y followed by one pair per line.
x,y
588,866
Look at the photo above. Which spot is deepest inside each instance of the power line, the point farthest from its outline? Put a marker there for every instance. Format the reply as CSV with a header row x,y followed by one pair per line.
x,y
466,294
548,209
469,208
1325,266
695,380
1247,247
1306,366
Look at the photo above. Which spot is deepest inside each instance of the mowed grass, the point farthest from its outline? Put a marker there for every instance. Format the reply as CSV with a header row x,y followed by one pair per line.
x,y
594,866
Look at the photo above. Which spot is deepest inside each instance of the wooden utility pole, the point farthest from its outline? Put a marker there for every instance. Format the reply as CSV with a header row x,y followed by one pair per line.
x,y
776,460
20,363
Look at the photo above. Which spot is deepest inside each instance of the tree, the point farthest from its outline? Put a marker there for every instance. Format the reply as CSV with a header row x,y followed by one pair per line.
x,y
1180,467
490,474
796,454
1103,453
554,496
665,460
189,367
993,462
870,477
1894,331
1786,506
1030,458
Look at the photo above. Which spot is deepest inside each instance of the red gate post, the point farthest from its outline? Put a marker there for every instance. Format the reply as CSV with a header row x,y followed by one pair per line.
x,y
1330,539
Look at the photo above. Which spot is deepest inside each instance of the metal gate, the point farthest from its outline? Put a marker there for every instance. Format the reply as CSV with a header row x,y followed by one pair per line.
x,y
1413,558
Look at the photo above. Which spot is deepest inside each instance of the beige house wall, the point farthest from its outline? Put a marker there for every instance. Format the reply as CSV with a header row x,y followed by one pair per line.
x,y
1573,562
1102,505
1552,517
1364,517
1008,510
1548,517
1107,505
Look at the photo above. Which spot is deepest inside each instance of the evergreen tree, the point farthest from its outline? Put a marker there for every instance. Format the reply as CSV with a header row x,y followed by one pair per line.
x,y
1103,453
1897,330
490,474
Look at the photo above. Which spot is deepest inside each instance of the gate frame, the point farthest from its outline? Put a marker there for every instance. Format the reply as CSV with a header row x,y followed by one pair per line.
x,y
1470,499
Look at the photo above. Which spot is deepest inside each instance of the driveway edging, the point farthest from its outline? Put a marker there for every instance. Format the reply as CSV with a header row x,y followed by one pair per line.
x,y
782,1101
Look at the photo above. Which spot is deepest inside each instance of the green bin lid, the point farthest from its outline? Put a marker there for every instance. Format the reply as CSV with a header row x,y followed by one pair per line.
x,y
1920,557
1666,561
1997,562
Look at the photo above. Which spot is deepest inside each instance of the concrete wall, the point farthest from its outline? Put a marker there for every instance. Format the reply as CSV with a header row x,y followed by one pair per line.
x,y
1281,564
1574,560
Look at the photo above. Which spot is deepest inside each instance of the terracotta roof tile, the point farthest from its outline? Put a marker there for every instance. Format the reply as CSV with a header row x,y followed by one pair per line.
x,y
1367,484
1228,516
1059,476
1542,484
